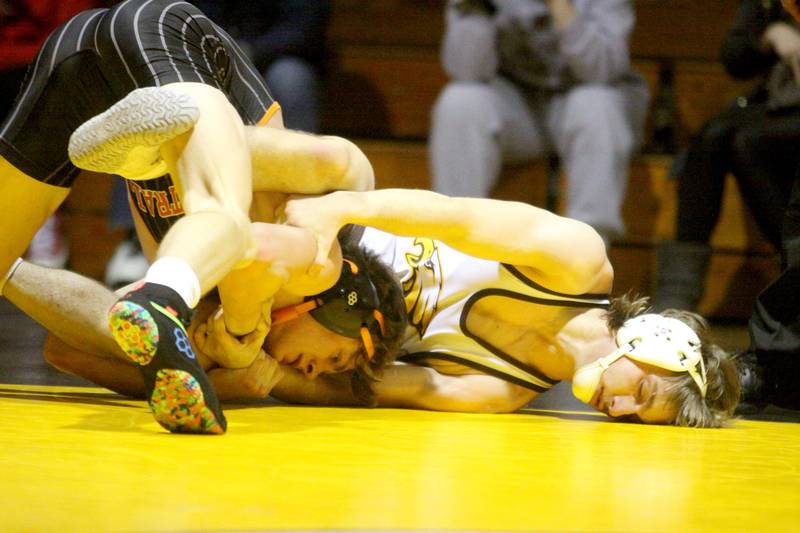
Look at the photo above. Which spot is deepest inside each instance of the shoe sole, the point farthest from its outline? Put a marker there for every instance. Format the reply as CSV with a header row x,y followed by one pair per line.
x,y
177,401
125,139
178,404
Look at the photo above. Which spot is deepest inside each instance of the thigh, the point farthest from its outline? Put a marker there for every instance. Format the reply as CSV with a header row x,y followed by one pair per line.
x,y
25,203
210,165
64,87
521,134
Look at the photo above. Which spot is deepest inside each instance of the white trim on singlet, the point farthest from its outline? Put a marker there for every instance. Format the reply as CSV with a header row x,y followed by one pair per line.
x,y
58,43
86,25
191,59
246,62
164,40
116,44
208,63
141,44
10,119
96,30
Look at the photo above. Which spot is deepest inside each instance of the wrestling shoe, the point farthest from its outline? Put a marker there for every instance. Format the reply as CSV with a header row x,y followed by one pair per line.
x,y
125,139
149,324
751,381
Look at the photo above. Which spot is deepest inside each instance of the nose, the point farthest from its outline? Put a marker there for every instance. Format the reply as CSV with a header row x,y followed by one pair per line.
x,y
311,368
622,405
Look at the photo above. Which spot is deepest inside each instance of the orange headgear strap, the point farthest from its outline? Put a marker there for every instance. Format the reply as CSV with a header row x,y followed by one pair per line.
x,y
285,314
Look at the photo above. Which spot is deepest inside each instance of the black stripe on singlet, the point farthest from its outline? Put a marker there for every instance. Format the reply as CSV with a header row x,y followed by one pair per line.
x,y
567,297
419,358
565,301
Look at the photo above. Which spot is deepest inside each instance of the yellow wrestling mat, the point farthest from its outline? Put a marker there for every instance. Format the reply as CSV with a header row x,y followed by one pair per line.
x,y
82,459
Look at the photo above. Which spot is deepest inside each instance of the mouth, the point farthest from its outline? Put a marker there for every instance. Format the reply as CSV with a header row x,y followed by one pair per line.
x,y
597,398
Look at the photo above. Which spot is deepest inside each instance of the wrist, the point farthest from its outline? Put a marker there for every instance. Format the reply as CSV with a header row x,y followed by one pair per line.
x,y
347,208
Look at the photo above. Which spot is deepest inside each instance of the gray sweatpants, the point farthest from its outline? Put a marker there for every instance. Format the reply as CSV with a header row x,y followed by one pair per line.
x,y
593,128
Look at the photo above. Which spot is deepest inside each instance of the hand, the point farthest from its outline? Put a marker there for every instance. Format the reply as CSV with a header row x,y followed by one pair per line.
x,y
254,382
563,12
785,41
792,7
213,339
322,216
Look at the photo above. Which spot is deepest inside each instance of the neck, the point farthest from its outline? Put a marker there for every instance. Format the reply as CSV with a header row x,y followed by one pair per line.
x,y
585,339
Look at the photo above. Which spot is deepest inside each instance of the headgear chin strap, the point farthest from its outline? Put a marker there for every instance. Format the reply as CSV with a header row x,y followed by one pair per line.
x,y
651,339
349,308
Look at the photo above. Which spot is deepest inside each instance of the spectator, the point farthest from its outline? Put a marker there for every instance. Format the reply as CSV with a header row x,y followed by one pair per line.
x,y
769,369
755,138
533,77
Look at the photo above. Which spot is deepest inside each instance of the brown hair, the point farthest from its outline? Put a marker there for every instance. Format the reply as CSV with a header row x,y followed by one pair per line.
x,y
723,390
393,307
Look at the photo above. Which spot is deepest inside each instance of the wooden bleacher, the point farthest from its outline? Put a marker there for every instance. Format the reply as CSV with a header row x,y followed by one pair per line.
x,y
385,75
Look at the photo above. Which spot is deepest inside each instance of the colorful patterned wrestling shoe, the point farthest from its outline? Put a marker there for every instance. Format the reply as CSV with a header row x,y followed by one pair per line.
x,y
149,324
125,139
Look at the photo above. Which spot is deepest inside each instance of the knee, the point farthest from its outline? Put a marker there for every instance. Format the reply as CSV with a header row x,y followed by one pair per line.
x,y
463,105
745,145
337,157
596,114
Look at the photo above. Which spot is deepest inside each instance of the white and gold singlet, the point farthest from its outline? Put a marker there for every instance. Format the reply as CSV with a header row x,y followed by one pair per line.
x,y
441,284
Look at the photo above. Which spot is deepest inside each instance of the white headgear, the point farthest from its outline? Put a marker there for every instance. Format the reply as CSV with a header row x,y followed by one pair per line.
x,y
651,339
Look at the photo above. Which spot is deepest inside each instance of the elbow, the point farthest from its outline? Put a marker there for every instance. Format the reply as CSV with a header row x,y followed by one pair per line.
x,y
350,164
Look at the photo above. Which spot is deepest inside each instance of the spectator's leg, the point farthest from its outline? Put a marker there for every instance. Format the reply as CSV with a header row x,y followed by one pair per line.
x,y
595,135
475,128
682,264
764,160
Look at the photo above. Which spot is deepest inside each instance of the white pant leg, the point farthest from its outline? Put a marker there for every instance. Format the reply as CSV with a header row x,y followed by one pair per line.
x,y
476,127
595,129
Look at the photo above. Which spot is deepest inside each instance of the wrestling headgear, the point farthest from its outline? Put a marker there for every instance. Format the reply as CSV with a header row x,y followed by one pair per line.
x,y
651,339
349,308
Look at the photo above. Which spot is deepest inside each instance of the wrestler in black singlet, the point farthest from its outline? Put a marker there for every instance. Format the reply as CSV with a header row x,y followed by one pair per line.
x,y
98,57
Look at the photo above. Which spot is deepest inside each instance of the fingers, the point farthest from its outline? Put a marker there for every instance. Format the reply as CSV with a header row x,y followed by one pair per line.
x,y
267,373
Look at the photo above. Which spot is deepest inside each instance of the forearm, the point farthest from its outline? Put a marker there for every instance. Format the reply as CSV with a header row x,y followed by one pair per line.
x,y
325,390
416,387
507,232
72,307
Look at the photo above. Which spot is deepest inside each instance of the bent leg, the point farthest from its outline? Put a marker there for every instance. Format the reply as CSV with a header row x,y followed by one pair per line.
x,y
475,128
25,203
300,163
117,375
595,133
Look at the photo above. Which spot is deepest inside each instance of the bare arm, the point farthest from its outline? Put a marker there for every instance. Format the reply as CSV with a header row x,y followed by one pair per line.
x,y
418,387
410,387
564,254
